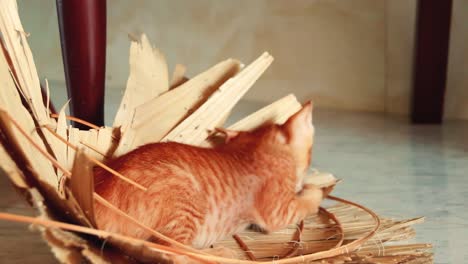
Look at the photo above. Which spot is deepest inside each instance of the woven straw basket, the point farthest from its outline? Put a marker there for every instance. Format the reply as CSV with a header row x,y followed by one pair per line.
x,y
51,163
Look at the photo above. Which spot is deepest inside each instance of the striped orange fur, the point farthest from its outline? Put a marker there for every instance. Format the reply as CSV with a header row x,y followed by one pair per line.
x,y
200,195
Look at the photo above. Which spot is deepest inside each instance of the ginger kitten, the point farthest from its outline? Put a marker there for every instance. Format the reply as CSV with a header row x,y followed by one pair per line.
x,y
200,195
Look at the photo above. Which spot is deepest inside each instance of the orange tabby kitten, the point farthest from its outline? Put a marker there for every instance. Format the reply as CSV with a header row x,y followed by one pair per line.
x,y
200,195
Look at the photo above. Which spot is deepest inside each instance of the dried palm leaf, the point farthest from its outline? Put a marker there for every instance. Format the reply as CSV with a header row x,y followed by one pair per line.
x,y
196,127
16,44
156,118
148,79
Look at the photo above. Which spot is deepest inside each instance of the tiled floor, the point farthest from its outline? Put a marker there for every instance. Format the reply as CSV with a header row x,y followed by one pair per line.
x,y
397,169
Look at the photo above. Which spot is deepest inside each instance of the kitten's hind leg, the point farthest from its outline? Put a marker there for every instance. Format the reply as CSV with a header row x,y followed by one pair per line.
x,y
182,227
181,209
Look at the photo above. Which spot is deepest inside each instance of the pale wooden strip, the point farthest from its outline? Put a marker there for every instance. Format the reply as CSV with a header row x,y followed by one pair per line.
x,y
92,140
277,113
196,128
10,102
82,185
98,139
60,149
148,79
178,76
73,139
189,95
47,90
154,119
87,136
98,142
18,49
105,141
23,68
10,169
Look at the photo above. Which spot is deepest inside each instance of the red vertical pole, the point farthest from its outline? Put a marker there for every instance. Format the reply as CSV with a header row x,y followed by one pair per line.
x,y
82,25
431,57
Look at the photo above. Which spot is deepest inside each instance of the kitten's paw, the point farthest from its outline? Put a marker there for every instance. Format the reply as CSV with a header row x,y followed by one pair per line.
x,y
312,196
311,191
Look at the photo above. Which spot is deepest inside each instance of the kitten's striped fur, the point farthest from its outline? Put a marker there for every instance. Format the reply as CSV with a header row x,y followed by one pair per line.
x,y
199,195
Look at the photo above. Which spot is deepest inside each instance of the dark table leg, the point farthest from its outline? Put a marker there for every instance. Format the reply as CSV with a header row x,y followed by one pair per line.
x,y
431,56
82,26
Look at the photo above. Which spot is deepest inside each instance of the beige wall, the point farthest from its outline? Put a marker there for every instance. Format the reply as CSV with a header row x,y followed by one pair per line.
x,y
456,98
400,27
354,54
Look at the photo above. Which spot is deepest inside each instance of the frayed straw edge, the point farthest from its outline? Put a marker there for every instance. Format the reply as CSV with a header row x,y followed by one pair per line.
x,y
205,258
80,121
333,217
297,243
99,233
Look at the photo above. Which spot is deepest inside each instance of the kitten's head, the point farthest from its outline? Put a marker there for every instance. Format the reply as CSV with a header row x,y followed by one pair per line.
x,y
296,134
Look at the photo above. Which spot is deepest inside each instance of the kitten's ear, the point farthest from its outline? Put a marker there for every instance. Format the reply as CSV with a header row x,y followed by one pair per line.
x,y
228,134
300,133
299,126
